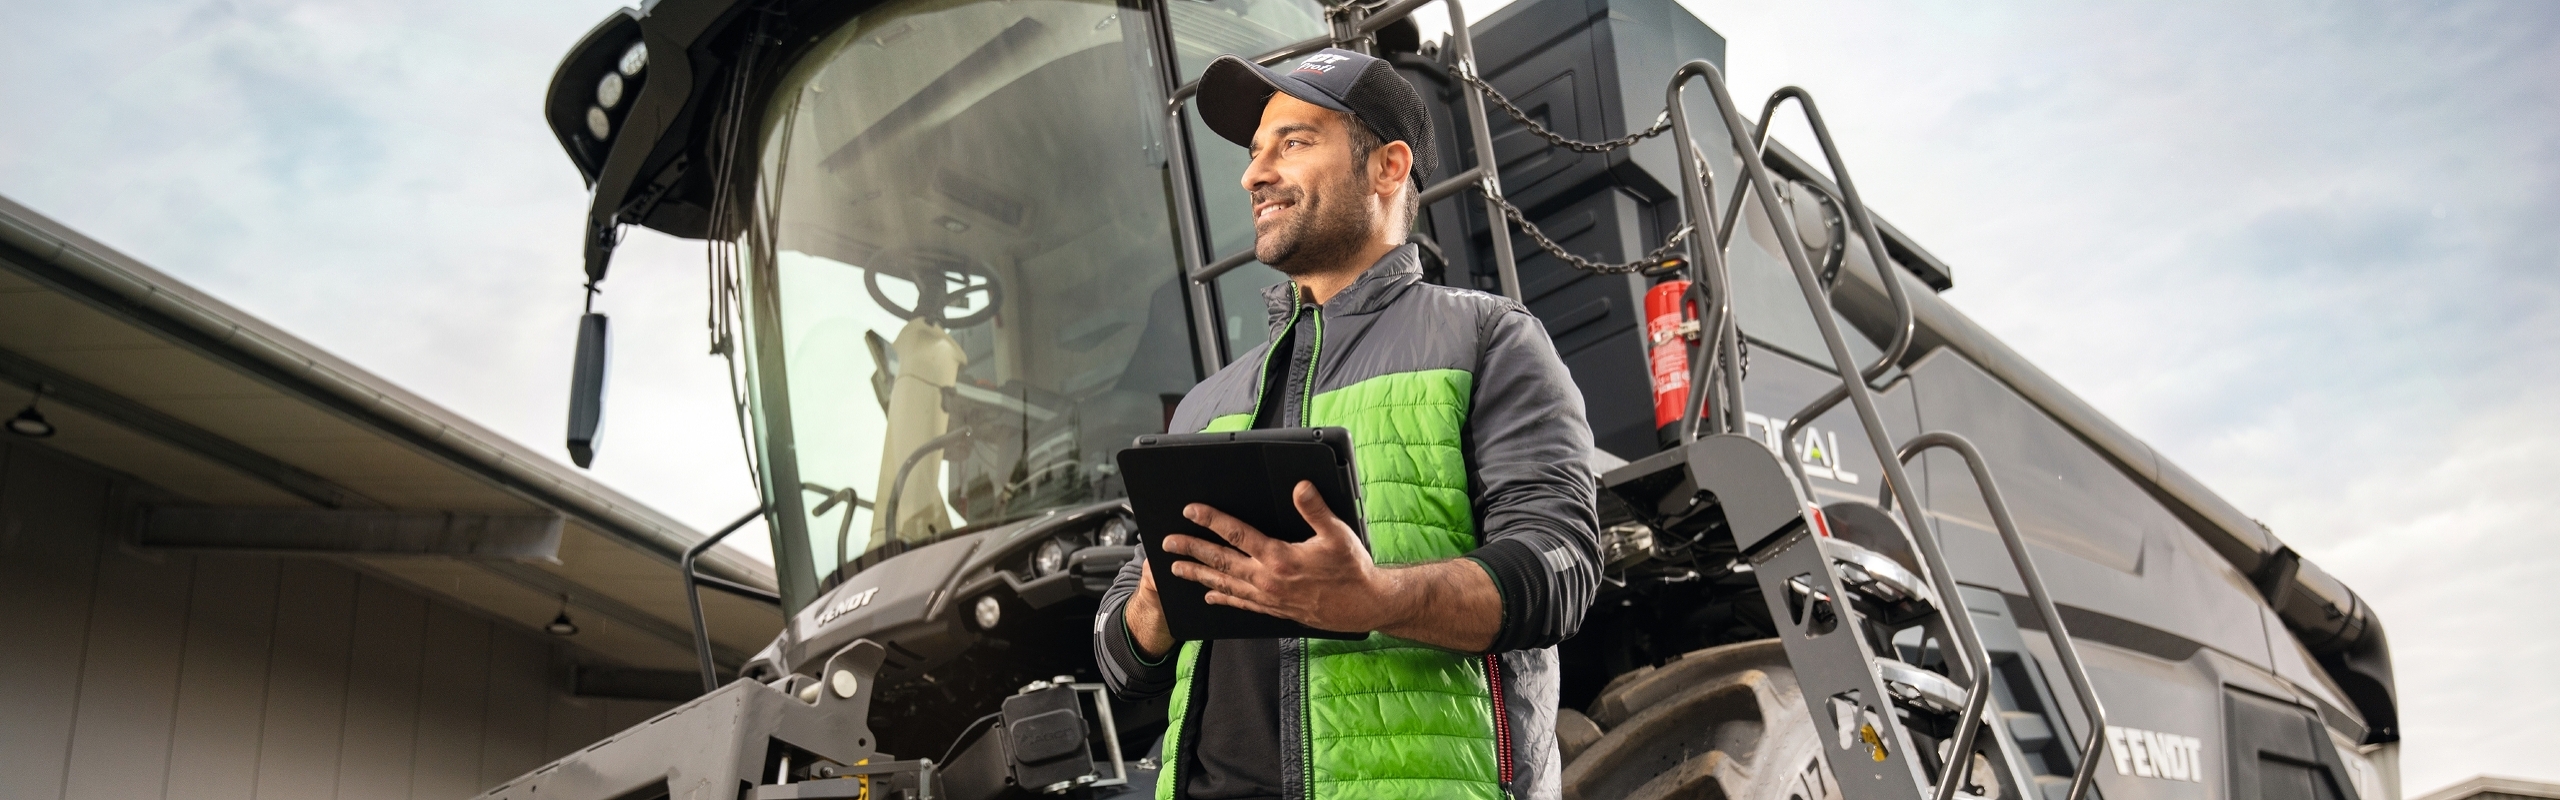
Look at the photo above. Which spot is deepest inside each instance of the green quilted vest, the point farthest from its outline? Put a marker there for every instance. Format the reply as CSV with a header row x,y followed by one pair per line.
x,y
1383,717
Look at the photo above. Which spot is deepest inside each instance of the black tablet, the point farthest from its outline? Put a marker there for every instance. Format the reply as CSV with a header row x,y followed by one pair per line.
x,y
1250,475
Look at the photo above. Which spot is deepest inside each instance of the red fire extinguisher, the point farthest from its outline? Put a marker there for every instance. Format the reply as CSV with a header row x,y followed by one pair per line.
x,y
1670,324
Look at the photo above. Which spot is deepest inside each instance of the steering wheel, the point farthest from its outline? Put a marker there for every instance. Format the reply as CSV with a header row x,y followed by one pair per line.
x,y
942,281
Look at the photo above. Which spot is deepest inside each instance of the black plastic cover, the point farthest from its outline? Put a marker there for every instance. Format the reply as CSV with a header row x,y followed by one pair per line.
x,y
1046,733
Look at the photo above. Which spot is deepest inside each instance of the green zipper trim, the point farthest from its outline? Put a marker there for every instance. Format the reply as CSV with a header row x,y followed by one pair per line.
x,y
1306,718
1315,353
1187,667
1259,380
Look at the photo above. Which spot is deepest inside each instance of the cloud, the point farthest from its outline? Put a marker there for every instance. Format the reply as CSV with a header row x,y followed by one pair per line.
x,y
376,178
2303,248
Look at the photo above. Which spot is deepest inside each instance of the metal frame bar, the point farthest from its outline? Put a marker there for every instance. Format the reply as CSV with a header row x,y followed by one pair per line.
x,y
693,596
1861,222
2063,645
1710,284
1199,269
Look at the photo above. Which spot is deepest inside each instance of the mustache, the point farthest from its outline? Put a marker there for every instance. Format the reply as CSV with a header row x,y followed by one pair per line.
x,y
1285,193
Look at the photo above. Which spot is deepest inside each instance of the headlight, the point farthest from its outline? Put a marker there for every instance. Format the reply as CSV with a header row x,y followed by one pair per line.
x,y
1117,532
1050,558
598,124
609,90
989,612
635,59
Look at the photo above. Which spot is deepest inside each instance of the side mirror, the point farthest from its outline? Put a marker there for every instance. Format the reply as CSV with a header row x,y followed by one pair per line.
x,y
586,389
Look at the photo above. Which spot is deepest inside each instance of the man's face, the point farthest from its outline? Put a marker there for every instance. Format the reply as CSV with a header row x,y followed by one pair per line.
x,y
1311,204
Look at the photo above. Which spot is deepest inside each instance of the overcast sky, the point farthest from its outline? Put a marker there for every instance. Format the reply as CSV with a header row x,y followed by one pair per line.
x,y
2305,249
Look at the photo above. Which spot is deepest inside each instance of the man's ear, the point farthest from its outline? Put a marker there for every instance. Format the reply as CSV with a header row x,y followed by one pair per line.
x,y
1390,166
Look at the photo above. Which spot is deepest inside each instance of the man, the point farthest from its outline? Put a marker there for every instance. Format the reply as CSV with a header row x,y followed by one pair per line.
x,y
1469,443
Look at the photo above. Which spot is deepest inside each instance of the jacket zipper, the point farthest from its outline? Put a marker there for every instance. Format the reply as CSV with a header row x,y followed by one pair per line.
x,y
1261,375
1501,719
1306,418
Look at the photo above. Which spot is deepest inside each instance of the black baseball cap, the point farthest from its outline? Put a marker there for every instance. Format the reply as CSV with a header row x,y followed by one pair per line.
x,y
1233,91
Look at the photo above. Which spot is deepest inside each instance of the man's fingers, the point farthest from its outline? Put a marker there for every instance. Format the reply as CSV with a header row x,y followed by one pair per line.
x,y
1224,599
1208,552
1235,531
1219,582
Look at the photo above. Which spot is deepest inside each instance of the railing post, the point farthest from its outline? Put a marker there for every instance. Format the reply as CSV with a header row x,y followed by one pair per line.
x,y
693,596
2025,562
1463,47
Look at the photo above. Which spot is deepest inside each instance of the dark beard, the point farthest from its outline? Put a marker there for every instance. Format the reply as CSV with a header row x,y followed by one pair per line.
x,y
1318,234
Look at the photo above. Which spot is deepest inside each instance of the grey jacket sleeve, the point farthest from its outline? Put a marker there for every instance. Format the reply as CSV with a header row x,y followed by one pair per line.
x,y
1527,445
1116,654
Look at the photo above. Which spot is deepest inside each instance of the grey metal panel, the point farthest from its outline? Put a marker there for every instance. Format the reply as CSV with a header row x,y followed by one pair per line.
x,y
213,741
2065,496
381,731
511,735
449,534
2105,545
2231,533
453,694
306,682
45,582
129,675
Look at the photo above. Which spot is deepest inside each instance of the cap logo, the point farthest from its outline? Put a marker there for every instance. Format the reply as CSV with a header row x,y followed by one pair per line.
x,y
1321,62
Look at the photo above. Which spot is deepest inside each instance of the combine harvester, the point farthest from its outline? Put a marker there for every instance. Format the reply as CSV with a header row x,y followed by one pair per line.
x,y
964,250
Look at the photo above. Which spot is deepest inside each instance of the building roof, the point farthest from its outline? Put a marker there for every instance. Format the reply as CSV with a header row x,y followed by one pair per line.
x,y
149,377
2495,788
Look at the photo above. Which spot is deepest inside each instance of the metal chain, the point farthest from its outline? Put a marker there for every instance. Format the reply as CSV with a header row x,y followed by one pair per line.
x,y
1661,123
1652,260
1660,255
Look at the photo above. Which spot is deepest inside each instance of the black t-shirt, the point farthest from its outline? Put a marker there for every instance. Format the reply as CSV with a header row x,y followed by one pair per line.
x,y
1237,753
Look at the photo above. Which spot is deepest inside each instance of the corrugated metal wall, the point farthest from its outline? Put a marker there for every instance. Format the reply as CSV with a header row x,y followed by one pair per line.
x,y
128,674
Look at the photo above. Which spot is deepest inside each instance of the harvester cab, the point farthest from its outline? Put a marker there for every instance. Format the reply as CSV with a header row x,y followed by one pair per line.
x,y
961,251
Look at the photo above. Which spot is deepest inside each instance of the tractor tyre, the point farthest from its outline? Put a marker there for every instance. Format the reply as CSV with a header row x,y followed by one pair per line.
x,y
1724,723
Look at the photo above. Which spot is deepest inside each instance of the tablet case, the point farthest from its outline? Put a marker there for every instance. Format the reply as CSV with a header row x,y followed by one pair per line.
x,y
1250,475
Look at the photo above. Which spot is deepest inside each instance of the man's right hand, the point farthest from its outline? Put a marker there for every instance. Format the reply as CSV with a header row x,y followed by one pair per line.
x,y
1144,615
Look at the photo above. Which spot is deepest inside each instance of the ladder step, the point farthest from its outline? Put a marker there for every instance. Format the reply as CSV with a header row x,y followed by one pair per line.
x,y
1879,577
1915,687
2028,728
2054,787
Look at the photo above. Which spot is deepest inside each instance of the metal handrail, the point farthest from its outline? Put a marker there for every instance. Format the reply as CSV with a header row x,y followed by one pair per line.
x,y
1710,284
1863,224
1198,270
2026,564
693,597
1969,643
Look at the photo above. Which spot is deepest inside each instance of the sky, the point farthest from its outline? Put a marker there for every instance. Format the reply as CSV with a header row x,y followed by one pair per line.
x,y
2304,249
